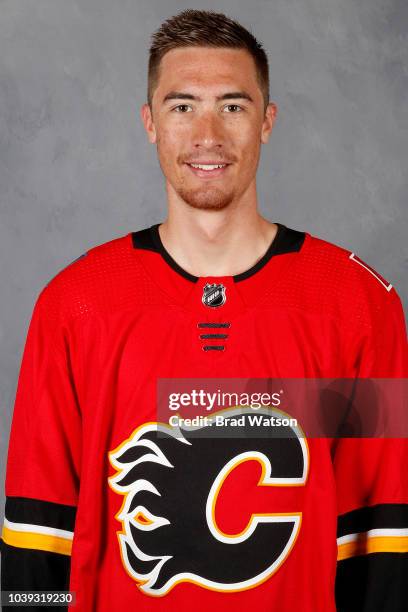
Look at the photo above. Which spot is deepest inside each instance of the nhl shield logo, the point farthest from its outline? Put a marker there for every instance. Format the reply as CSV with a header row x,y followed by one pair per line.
x,y
213,295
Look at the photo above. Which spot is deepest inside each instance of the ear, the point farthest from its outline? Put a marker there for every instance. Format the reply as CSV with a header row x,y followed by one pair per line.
x,y
147,118
269,119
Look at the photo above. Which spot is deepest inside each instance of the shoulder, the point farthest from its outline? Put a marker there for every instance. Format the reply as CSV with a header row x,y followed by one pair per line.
x,y
337,281
344,264
99,280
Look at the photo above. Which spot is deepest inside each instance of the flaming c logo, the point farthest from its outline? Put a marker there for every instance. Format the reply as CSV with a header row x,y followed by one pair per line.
x,y
171,478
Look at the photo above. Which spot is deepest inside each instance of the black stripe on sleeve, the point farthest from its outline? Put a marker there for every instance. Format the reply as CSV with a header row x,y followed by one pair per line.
x,y
38,512
381,516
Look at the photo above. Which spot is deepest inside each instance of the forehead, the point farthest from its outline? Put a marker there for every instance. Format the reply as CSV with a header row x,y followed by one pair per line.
x,y
207,67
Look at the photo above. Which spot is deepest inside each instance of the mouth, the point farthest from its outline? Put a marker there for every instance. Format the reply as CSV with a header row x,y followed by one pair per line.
x,y
208,170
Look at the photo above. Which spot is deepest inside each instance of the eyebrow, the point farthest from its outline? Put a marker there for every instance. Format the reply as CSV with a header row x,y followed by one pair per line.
x,y
232,95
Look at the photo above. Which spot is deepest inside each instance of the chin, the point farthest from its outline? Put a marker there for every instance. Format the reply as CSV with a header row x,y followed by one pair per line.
x,y
211,199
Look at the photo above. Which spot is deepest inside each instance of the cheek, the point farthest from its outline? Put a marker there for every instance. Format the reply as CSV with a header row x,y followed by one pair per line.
x,y
172,140
244,138
248,135
248,145
167,148
164,139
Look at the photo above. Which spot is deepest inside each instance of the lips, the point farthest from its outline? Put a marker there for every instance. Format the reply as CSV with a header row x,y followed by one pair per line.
x,y
214,173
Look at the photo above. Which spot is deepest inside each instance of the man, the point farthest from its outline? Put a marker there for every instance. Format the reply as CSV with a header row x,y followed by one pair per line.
x,y
104,496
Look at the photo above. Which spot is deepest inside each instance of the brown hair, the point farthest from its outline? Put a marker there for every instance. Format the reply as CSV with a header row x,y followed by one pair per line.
x,y
204,29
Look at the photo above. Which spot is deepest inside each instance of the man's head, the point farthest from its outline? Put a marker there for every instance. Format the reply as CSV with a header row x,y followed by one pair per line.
x,y
208,103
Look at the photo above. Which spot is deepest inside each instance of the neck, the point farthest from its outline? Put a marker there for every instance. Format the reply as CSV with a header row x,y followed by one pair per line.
x,y
216,243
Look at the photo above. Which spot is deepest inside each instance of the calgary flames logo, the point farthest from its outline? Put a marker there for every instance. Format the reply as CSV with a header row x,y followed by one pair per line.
x,y
171,479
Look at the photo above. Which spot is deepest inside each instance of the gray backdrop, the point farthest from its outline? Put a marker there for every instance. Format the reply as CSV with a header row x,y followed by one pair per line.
x,y
76,168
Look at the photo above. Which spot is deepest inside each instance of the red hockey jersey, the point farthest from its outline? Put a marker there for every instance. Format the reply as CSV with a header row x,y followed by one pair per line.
x,y
101,496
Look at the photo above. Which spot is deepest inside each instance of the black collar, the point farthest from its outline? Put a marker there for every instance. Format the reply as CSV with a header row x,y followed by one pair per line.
x,y
286,241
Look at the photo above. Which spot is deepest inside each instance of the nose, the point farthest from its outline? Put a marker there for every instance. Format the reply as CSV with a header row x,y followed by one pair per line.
x,y
208,131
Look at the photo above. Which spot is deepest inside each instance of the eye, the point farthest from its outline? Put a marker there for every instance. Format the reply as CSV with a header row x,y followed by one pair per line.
x,y
236,106
176,108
